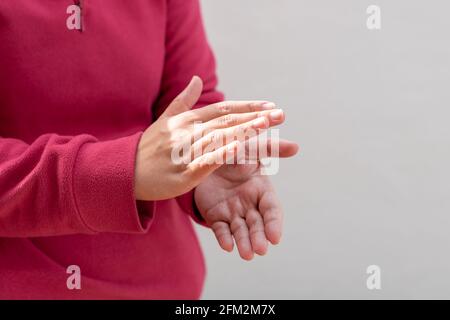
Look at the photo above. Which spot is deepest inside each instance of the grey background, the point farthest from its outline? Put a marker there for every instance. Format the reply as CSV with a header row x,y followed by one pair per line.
x,y
371,112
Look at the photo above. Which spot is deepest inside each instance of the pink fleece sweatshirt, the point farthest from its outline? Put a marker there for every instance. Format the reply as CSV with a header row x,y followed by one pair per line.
x,y
73,106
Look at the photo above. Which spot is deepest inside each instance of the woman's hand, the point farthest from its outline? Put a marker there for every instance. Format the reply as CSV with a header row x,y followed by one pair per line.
x,y
159,176
238,202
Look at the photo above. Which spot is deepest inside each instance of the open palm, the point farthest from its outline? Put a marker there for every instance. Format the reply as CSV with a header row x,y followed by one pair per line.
x,y
238,202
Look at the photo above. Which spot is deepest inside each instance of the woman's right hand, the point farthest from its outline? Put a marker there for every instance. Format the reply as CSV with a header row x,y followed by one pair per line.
x,y
158,176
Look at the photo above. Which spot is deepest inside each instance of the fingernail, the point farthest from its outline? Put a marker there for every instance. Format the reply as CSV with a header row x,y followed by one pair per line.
x,y
260,123
276,115
268,105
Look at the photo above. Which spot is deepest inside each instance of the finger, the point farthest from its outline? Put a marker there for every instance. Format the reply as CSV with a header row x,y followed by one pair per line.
x,y
209,162
257,148
223,235
242,238
286,148
228,107
217,138
270,209
257,234
186,99
274,118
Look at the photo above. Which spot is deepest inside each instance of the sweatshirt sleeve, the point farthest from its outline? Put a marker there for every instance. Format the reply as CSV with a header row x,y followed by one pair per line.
x,y
187,54
61,185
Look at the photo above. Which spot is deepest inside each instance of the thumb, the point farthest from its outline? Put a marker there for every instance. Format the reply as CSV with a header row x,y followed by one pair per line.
x,y
186,99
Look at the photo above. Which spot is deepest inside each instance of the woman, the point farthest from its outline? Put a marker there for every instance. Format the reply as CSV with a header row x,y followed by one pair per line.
x,y
89,108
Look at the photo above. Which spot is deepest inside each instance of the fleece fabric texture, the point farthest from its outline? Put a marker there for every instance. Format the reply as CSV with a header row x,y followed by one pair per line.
x,y
73,106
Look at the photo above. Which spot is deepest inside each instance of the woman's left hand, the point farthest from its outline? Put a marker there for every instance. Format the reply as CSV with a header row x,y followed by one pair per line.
x,y
238,202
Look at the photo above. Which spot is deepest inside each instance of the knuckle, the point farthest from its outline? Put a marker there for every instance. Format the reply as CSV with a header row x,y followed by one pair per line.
x,y
177,100
238,132
238,229
217,136
252,106
223,107
211,137
258,230
227,120
207,140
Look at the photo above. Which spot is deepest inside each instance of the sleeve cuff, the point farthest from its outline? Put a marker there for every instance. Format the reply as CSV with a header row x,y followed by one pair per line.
x,y
103,187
